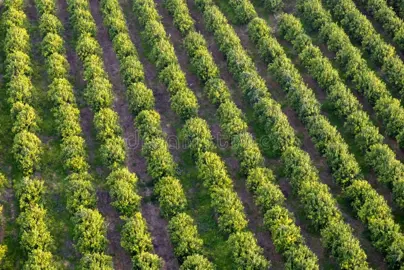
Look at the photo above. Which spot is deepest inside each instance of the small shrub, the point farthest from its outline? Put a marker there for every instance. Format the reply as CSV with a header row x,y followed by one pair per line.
x,y
140,97
171,196
135,236
184,236
245,251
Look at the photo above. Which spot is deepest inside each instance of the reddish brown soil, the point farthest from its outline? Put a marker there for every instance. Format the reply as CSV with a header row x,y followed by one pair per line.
x,y
8,197
312,239
8,218
307,145
371,178
219,59
390,141
10,214
169,123
280,97
39,78
120,258
151,211
35,38
367,107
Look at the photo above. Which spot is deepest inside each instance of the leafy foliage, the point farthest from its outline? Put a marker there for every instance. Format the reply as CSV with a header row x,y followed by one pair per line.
x,y
338,238
34,233
247,152
90,231
184,236
123,191
80,192
147,261
273,5
135,236
182,19
185,104
148,124
196,134
113,152
171,196
3,252
217,91
357,121
378,156
160,163
106,122
246,252
234,127
140,97
27,151
196,262
31,194
39,259
96,261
